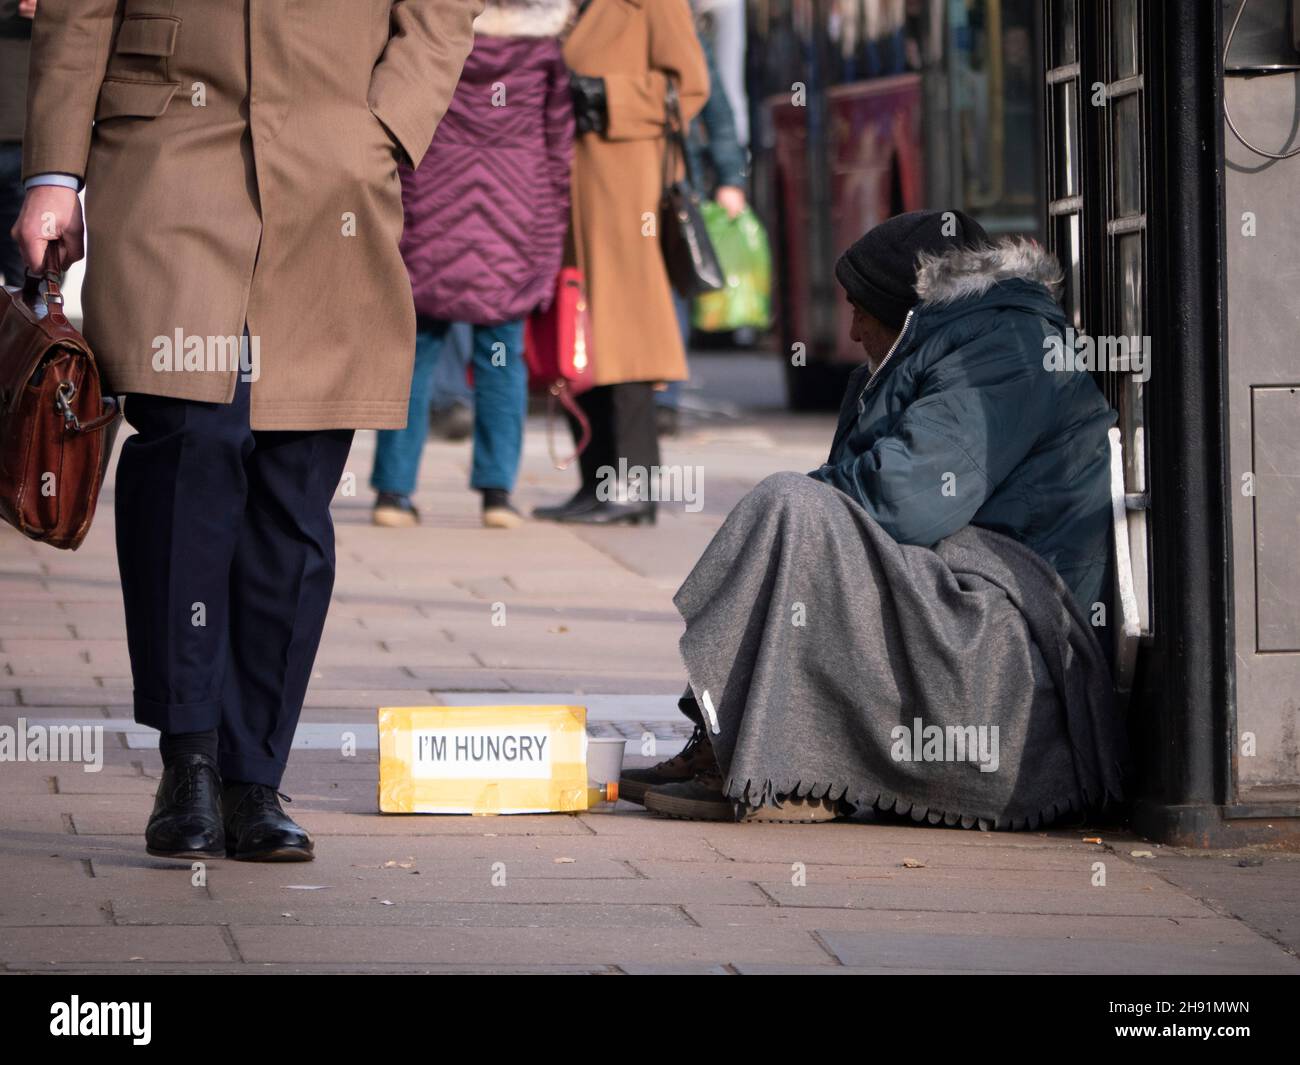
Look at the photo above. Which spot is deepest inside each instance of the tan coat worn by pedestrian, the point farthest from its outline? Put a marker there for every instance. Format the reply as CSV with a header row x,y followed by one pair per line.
x,y
636,46
242,167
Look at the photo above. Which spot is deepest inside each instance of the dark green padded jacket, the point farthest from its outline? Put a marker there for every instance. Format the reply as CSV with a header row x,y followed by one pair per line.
x,y
963,424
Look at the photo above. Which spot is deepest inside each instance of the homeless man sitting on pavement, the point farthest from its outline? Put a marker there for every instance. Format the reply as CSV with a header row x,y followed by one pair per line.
x,y
907,628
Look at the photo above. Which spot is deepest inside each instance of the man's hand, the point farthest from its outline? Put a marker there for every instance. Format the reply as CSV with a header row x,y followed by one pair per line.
x,y
50,214
27,8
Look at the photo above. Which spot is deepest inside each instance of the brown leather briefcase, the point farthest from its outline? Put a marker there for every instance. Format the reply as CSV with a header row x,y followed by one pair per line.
x,y
56,426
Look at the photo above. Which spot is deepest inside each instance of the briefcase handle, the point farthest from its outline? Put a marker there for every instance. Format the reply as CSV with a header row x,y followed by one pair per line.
x,y
50,275
54,306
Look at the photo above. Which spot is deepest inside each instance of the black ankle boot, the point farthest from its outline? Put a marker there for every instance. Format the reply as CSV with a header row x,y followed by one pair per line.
x,y
610,512
258,829
583,499
186,820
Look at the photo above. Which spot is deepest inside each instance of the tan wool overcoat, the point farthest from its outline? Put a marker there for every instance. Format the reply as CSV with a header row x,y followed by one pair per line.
x,y
240,162
636,46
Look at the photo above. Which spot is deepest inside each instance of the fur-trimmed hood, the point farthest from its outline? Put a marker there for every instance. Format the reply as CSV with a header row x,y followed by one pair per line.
x,y
961,272
523,18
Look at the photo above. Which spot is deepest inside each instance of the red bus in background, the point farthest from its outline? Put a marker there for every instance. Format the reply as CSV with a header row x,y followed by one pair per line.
x,y
873,171
860,109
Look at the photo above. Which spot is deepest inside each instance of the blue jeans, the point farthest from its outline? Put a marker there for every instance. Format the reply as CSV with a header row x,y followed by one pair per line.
x,y
449,386
500,403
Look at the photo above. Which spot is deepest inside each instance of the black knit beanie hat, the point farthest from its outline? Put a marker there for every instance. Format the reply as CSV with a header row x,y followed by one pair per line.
x,y
879,270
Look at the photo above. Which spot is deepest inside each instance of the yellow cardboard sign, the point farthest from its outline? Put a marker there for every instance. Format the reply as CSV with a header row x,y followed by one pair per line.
x,y
482,759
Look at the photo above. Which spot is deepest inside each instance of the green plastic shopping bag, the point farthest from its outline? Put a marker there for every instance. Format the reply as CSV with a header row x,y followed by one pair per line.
x,y
745,301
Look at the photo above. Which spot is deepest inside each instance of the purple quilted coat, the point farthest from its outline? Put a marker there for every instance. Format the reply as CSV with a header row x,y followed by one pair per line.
x,y
488,209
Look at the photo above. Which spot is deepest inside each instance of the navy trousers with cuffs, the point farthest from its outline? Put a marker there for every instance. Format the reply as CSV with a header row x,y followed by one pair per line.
x,y
226,551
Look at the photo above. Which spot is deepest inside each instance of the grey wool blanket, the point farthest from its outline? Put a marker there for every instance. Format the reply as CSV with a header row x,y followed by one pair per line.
x,y
959,684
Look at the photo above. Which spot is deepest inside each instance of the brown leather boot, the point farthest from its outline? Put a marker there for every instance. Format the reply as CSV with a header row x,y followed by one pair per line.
x,y
697,799
702,799
696,757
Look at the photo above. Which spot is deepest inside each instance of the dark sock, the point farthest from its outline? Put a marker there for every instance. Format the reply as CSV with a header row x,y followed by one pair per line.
x,y
174,744
495,497
688,706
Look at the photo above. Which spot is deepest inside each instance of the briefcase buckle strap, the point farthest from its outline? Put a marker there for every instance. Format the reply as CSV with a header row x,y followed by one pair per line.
x,y
65,394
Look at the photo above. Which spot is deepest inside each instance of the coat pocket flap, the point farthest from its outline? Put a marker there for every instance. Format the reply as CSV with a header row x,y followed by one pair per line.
x,y
147,35
144,99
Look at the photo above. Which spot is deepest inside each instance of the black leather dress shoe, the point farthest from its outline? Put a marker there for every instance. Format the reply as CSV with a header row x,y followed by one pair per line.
x,y
186,819
258,829
581,500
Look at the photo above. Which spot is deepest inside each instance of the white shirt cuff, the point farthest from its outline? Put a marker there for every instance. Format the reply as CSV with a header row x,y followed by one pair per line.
x,y
67,181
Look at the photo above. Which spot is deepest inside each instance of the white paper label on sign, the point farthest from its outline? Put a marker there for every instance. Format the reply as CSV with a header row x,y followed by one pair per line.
x,y
491,752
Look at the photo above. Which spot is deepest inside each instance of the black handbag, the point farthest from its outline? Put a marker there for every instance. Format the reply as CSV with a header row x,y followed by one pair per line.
x,y
688,252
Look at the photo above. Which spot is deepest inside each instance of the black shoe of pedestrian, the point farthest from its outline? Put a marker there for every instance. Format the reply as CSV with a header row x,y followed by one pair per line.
x,y
394,511
582,500
186,819
608,512
498,511
694,758
258,829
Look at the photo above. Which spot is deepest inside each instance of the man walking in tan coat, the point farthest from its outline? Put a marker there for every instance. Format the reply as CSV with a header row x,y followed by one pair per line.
x,y
245,291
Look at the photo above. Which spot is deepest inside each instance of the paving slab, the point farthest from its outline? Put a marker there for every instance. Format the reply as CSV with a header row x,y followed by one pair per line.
x,y
1263,892
1018,954
965,896
22,912
35,947
514,946
1192,932
283,912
